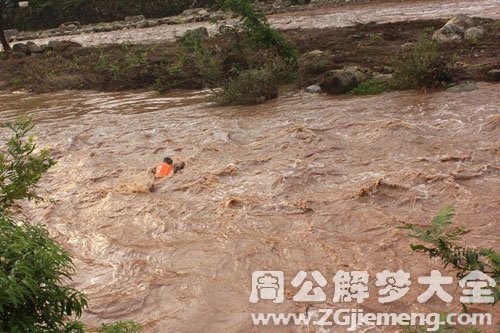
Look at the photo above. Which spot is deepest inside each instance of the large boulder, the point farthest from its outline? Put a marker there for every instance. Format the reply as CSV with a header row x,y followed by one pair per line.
x,y
454,30
449,33
474,33
343,80
462,21
20,49
34,48
313,89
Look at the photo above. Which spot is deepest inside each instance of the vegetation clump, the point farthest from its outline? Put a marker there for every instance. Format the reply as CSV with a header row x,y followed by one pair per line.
x,y
372,86
251,86
125,326
421,67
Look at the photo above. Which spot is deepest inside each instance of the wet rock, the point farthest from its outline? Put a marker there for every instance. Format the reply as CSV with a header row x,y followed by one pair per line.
x,y
70,25
136,18
461,20
474,33
62,45
448,34
20,49
494,74
314,89
463,87
342,81
34,48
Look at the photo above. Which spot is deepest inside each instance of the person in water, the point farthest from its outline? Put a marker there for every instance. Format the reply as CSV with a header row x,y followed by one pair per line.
x,y
167,168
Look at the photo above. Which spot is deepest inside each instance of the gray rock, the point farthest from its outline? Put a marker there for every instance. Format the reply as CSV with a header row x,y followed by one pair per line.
x,y
34,48
20,48
462,21
342,81
3,85
136,18
474,33
463,87
448,34
494,74
314,89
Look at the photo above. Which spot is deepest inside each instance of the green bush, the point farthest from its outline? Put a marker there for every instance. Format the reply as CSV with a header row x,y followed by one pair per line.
x,y
126,326
200,60
249,87
421,66
371,87
20,167
33,268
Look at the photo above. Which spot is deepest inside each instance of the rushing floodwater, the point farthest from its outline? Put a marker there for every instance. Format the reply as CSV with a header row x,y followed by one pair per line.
x,y
319,18
302,182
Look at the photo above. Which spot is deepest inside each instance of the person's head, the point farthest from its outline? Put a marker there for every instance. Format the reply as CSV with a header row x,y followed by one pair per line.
x,y
168,160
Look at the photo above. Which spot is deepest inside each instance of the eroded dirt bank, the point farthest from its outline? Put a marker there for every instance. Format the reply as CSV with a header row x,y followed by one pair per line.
x,y
302,182
122,67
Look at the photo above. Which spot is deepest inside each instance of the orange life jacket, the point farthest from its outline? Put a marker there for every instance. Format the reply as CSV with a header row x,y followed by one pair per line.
x,y
164,170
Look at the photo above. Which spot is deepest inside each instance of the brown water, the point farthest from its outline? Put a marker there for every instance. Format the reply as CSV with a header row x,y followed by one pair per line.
x,y
303,182
306,19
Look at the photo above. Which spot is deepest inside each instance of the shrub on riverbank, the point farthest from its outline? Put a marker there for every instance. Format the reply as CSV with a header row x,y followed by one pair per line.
x,y
421,67
372,87
251,86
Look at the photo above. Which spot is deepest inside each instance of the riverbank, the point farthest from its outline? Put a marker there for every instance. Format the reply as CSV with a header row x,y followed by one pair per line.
x,y
156,66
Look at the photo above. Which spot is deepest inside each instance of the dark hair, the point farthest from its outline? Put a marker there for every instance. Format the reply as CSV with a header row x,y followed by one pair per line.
x,y
168,160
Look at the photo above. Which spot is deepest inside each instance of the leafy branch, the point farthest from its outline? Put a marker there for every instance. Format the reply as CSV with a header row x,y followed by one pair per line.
x,y
20,166
442,238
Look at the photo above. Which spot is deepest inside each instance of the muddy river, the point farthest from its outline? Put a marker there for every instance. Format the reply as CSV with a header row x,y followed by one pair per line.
x,y
304,182
309,19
